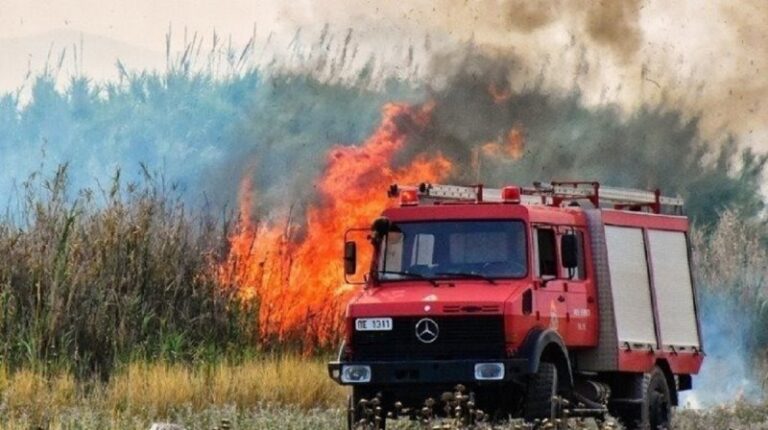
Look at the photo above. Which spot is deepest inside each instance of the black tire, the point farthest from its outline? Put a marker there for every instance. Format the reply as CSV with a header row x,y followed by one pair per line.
x,y
540,396
654,411
657,402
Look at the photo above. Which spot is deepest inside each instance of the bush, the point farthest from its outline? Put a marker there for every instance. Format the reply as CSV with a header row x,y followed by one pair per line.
x,y
111,274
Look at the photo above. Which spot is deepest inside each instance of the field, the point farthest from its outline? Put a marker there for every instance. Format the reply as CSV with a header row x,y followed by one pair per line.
x,y
286,392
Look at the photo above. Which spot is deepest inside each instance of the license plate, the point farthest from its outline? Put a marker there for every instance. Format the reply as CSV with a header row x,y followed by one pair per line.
x,y
373,324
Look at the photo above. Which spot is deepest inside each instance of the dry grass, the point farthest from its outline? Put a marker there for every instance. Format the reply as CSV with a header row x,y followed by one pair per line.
x,y
30,391
155,391
166,387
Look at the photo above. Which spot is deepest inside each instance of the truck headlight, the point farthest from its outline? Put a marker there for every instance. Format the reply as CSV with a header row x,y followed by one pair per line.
x,y
489,371
355,374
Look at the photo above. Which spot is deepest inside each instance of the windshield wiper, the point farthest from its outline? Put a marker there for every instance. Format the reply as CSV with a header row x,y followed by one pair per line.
x,y
467,275
410,274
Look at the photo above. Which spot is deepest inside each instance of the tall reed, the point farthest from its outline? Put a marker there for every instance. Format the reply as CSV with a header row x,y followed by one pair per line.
x,y
101,276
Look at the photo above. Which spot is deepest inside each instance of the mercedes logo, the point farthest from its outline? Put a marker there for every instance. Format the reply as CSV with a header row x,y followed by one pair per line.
x,y
427,330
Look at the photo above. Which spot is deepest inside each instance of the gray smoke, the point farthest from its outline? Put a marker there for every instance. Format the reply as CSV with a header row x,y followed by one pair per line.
x,y
731,262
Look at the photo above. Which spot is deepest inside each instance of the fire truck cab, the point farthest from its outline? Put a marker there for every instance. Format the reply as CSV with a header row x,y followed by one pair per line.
x,y
561,298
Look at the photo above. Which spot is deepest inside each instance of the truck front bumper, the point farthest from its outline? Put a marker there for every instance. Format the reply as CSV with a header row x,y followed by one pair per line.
x,y
429,371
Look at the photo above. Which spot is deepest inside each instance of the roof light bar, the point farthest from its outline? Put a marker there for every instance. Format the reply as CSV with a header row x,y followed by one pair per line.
x,y
409,196
555,194
510,195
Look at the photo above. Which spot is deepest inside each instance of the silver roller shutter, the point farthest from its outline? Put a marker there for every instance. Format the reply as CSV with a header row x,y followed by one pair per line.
x,y
630,283
673,288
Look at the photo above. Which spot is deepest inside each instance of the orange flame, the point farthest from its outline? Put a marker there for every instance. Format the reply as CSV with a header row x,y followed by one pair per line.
x,y
298,284
499,93
512,145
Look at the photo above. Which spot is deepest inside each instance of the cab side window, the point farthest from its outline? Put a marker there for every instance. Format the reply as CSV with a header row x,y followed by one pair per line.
x,y
546,252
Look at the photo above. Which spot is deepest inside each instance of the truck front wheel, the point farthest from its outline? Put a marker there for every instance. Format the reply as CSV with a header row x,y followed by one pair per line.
x,y
540,401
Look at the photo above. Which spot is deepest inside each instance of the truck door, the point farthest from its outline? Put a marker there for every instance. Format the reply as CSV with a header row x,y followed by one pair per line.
x,y
550,301
581,308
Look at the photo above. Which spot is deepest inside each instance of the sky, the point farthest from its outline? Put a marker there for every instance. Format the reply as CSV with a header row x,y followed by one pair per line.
x,y
133,31
706,57
138,22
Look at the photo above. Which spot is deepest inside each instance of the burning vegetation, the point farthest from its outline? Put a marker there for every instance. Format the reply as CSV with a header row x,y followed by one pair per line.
x,y
293,269
285,256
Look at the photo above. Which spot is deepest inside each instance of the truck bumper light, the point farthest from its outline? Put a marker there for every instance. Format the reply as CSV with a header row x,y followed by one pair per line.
x,y
489,371
355,374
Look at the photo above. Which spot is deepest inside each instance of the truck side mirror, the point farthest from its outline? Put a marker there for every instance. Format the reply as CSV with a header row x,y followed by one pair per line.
x,y
350,258
569,249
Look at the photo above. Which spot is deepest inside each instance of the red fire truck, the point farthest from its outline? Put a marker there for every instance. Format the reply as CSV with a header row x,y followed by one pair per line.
x,y
530,297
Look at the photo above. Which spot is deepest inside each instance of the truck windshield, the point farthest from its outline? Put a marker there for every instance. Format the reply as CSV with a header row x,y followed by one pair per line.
x,y
453,249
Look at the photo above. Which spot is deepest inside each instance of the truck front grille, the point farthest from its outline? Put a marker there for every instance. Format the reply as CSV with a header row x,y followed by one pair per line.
x,y
459,337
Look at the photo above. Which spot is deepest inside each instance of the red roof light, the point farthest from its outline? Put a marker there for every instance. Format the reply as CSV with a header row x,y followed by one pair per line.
x,y
510,194
409,197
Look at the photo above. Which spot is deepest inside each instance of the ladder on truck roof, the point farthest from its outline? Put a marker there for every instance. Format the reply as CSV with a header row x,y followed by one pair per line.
x,y
551,194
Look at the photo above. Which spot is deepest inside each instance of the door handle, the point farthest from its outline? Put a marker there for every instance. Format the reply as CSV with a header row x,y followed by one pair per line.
x,y
561,299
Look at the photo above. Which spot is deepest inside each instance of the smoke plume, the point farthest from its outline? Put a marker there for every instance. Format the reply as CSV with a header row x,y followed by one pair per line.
x,y
706,60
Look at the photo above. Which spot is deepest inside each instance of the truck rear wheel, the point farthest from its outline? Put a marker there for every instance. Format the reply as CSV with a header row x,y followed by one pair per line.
x,y
540,400
657,401
654,410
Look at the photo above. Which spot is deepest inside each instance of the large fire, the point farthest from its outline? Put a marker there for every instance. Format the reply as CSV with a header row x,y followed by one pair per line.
x,y
511,145
297,283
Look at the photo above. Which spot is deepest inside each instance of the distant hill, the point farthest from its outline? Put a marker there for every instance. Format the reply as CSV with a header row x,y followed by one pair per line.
x,y
97,60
